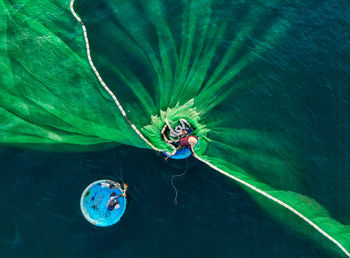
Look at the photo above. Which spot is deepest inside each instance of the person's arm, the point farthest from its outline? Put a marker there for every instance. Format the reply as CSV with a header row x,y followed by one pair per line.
x,y
125,186
116,197
178,147
190,147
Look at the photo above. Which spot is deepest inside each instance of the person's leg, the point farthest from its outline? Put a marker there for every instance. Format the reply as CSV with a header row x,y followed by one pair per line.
x,y
178,147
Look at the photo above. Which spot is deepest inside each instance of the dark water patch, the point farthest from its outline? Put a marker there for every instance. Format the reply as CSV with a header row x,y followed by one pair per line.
x,y
214,216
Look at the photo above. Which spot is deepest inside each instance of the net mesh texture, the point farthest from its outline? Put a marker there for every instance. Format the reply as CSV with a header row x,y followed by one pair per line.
x,y
165,59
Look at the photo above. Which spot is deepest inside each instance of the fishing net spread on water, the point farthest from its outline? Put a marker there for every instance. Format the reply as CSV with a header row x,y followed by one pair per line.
x,y
201,60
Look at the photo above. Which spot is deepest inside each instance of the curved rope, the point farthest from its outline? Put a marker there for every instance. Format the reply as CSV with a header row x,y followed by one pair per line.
x,y
197,157
275,200
103,83
179,175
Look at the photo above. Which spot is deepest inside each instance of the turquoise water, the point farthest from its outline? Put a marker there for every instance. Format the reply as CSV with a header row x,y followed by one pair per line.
x,y
300,94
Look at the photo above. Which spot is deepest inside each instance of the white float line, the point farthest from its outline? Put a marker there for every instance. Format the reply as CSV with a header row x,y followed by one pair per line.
x,y
103,83
277,201
197,157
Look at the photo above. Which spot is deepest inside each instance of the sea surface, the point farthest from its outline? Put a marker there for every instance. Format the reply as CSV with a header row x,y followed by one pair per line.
x,y
41,215
303,93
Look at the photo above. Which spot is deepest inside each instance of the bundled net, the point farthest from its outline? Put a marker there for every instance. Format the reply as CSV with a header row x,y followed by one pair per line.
x,y
161,60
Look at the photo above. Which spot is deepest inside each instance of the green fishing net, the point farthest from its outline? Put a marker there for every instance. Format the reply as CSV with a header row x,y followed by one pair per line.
x,y
162,59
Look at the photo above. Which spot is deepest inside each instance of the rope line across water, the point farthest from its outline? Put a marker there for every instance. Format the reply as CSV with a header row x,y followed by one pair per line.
x,y
277,201
179,175
197,157
103,83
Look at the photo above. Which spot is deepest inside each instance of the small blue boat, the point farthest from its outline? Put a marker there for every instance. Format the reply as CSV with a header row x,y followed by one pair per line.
x,y
182,153
93,203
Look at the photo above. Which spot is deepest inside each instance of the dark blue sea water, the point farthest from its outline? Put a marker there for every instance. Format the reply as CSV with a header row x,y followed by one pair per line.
x,y
303,94
41,215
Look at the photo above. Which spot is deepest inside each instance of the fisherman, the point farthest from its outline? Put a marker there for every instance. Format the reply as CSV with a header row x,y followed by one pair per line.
x,y
113,203
186,140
